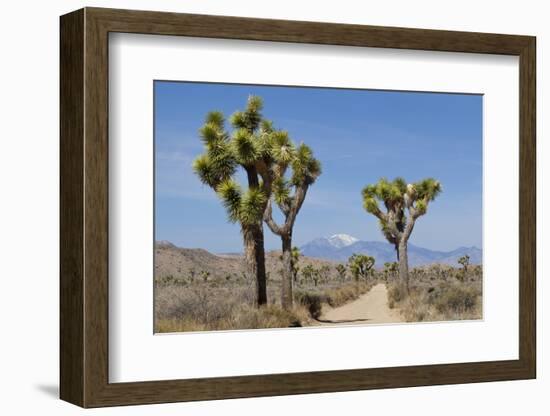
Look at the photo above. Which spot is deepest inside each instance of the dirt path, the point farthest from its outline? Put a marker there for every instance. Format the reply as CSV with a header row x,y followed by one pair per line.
x,y
370,308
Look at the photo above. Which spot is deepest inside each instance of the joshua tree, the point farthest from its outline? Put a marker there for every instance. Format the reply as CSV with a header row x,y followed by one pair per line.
x,y
205,275
360,265
464,261
253,146
324,272
289,195
295,257
341,270
476,270
316,276
390,268
404,204
310,273
437,270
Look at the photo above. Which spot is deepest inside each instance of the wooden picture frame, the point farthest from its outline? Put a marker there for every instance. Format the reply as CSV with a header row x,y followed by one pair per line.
x,y
84,207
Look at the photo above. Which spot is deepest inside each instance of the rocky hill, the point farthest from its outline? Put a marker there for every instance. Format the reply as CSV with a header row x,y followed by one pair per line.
x,y
181,262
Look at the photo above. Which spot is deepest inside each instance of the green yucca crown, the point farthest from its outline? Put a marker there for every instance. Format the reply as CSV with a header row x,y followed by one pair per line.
x,y
397,198
265,154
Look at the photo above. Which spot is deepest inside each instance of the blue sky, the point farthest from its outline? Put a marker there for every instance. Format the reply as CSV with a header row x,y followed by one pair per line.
x,y
358,135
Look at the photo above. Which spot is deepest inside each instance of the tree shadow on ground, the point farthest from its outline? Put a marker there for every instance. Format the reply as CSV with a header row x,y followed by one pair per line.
x,y
341,321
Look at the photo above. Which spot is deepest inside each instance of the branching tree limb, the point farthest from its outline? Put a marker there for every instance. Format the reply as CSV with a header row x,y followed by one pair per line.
x,y
289,195
404,204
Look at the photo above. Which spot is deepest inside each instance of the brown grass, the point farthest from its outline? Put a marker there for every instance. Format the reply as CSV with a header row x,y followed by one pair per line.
x,y
438,299
223,305
242,317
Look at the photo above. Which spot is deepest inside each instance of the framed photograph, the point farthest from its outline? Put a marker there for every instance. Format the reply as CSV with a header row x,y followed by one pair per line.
x,y
255,207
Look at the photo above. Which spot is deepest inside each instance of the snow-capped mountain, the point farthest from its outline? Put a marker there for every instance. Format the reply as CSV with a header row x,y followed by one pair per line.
x,y
342,240
340,247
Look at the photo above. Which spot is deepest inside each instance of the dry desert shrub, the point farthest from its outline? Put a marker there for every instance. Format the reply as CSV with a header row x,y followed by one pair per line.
x,y
313,302
439,293
438,301
396,293
457,300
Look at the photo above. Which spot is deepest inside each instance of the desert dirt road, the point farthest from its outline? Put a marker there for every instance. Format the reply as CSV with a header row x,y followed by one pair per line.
x,y
370,308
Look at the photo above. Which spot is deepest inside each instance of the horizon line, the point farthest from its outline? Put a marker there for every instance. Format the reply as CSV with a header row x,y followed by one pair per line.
x,y
278,249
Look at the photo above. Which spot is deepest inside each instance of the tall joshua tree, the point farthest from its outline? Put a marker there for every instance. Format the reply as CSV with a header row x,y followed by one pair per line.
x,y
254,146
289,195
403,205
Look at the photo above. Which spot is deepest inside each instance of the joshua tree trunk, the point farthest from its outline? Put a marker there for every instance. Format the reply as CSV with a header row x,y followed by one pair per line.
x,y
286,292
403,263
402,252
256,265
255,261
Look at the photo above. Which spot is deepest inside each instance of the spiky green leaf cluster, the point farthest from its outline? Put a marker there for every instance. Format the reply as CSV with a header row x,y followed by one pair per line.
x,y
428,189
244,147
230,193
391,194
203,168
251,117
421,207
252,207
282,149
394,194
209,134
281,191
217,163
386,191
242,207
263,145
370,204
266,126
305,168
216,118
213,170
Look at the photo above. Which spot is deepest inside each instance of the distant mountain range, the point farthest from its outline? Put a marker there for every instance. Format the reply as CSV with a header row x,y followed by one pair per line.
x,y
340,247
